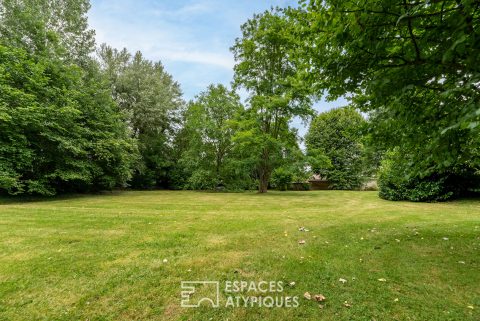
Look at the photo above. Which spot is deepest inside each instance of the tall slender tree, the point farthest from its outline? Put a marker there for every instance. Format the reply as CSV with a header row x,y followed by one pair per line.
x,y
210,157
265,69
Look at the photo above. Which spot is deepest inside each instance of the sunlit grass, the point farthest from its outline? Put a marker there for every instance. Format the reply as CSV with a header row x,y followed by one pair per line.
x,y
123,255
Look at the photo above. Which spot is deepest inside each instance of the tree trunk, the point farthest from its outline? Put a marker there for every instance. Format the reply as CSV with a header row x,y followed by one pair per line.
x,y
264,172
263,184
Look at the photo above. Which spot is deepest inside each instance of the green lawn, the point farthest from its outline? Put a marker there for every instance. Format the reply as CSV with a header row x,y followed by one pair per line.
x,y
103,257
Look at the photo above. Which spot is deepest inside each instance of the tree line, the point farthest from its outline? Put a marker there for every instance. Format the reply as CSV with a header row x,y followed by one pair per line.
x,y
79,118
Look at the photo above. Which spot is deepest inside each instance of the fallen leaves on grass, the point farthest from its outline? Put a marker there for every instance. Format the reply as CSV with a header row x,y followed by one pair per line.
x,y
301,242
346,304
316,297
319,297
382,280
342,280
303,229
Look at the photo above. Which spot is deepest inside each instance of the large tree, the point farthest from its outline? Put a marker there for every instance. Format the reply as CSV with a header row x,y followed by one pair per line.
x,y
265,69
152,103
210,158
57,28
59,128
338,134
414,65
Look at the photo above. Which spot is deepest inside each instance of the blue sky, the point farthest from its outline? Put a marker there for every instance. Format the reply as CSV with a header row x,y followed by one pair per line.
x,y
190,37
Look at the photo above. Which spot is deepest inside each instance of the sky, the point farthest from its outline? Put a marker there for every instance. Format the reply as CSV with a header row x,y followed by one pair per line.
x,y
190,37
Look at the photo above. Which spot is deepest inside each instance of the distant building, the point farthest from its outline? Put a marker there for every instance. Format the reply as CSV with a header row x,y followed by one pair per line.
x,y
370,185
316,182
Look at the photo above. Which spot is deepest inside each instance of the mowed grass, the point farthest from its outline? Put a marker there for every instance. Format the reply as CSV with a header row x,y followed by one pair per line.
x,y
102,257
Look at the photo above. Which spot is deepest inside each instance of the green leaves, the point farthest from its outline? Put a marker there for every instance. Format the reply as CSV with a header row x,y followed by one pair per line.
x,y
211,158
265,68
413,67
52,124
51,29
335,138
152,103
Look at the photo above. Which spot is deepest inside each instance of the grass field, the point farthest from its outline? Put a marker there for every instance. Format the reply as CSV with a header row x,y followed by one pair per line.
x,y
122,256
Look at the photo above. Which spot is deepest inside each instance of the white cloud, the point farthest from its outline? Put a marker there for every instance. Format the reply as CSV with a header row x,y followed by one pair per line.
x,y
190,9
200,57
191,37
157,38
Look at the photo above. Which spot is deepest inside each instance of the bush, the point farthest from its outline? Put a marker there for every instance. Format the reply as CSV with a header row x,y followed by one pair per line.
x,y
396,183
281,178
416,190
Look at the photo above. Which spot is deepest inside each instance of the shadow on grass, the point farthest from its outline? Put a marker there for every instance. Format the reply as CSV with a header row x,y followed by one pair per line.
x,y
21,199
6,199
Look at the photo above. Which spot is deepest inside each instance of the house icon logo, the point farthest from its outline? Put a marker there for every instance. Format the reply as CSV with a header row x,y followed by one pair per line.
x,y
196,293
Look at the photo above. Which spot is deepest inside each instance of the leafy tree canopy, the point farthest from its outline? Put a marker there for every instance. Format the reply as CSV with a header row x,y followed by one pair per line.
x,y
152,103
265,68
337,134
59,128
413,65
210,159
59,131
56,28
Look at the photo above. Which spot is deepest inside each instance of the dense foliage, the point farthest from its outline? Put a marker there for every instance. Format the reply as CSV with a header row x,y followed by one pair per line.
x,y
413,65
151,102
338,135
396,183
209,159
55,29
265,69
70,121
59,128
